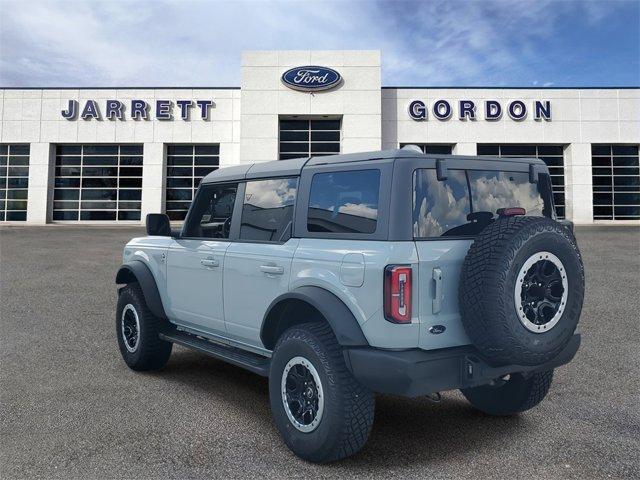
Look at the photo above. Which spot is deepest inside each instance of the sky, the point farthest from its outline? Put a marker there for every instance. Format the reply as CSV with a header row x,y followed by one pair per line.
x,y
538,43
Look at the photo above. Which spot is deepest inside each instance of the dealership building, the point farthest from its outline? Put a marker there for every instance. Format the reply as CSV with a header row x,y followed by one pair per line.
x,y
112,155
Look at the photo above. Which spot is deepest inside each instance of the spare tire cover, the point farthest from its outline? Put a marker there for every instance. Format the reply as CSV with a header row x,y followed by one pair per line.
x,y
521,290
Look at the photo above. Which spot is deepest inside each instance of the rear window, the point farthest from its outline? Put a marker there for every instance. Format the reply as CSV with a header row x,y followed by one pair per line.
x,y
344,202
468,200
491,190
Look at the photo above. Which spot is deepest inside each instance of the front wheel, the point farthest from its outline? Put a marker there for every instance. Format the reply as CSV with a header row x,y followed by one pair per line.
x,y
137,329
511,394
321,411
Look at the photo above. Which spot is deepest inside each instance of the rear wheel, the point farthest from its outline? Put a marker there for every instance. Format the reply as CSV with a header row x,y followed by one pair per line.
x,y
321,411
137,330
510,394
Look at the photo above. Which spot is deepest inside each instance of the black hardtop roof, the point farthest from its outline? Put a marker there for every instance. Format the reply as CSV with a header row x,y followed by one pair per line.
x,y
293,167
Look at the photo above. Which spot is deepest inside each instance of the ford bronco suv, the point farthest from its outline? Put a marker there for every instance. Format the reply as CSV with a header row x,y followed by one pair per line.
x,y
341,276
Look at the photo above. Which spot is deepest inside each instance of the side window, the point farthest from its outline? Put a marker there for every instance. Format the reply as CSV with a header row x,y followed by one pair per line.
x,y
440,208
267,210
344,202
210,216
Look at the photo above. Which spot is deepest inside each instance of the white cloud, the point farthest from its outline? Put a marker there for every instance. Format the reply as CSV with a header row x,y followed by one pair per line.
x,y
359,210
197,43
492,193
271,193
440,210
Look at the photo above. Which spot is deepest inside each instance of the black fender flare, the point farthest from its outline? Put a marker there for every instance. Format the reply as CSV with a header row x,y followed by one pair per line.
x,y
137,271
342,321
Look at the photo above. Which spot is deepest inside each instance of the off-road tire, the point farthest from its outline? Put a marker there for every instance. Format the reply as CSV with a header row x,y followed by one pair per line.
x,y
518,394
348,409
151,353
486,292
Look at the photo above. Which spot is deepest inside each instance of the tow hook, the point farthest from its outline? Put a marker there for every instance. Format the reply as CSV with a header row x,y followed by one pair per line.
x,y
434,397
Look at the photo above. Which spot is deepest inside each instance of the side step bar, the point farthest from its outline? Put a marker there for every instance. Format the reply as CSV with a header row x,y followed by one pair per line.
x,y
247,360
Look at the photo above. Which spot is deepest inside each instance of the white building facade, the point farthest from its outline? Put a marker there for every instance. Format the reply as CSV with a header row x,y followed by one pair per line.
x,y
112,155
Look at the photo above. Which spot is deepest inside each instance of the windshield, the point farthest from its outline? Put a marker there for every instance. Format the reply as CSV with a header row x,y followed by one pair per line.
x,y
468,200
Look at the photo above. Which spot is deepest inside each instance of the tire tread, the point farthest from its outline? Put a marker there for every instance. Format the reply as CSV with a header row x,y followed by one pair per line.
x,y
154,352
358,401
483,277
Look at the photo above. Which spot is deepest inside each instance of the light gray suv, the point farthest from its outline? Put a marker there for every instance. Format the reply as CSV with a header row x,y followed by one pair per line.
x,y
340,276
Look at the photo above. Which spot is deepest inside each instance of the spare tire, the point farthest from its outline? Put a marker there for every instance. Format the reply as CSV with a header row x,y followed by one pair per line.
x,y
521,290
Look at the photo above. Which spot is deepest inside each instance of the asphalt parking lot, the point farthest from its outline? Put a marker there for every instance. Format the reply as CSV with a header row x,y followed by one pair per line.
x,y
70,408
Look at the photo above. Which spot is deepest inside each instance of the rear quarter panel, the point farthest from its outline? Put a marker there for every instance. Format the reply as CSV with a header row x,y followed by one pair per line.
x,y
353,271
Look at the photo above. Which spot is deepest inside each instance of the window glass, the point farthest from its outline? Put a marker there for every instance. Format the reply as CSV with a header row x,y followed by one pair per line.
x,y
186,166
344,202
465,203
304,138
440,208
93,174
552,155
492,190
14,182
267,210
616,182
212,211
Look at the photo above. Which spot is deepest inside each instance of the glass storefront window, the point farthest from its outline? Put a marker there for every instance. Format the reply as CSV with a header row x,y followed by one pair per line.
x,y
616,182
97,182
14,182
187,165
306,138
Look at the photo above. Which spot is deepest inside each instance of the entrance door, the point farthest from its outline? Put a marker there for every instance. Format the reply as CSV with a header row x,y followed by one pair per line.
x,y
195,261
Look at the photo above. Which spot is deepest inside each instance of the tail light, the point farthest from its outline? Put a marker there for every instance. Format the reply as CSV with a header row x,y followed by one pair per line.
x,y
397,293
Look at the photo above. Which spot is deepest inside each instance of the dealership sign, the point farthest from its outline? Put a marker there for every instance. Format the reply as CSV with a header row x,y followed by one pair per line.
x,y
311,78
491,110
137,109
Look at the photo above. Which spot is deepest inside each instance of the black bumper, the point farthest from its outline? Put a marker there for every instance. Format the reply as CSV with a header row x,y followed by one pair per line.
x,y
416,372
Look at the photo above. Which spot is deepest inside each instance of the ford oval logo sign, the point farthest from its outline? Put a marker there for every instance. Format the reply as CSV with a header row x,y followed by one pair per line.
x,y
311,78
437,329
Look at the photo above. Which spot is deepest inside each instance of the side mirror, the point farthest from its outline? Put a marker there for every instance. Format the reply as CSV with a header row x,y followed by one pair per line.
x,y
158,225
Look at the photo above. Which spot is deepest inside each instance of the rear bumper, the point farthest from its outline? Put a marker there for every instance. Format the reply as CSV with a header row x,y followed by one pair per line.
x,y
418,372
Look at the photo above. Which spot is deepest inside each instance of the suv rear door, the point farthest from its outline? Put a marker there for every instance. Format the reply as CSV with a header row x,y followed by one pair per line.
x,y
448,211
258,263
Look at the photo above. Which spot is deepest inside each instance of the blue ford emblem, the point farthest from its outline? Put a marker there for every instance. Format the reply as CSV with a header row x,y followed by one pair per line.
x,y
311,78
437,329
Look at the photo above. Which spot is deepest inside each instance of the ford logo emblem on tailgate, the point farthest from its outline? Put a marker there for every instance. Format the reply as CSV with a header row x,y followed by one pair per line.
x,y
311,78
437,329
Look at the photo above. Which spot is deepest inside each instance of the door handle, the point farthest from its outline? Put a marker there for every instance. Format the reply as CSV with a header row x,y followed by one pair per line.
x,y
209,262
272,269
438,294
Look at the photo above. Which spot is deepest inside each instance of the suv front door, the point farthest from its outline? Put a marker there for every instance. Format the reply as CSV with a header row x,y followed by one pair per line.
x,y
195,261
258,265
